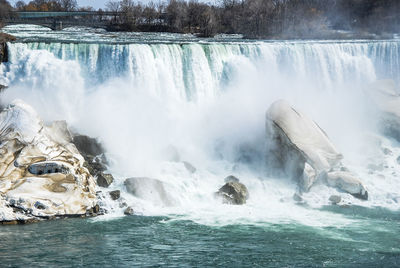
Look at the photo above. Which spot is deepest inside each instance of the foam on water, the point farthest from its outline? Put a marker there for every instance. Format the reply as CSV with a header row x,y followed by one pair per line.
x,y
209,101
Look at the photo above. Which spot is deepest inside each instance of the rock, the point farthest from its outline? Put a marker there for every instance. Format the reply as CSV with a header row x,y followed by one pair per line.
x,y
104,180
149,189
234,193
231,178
129,211
93,152
87,145
115,194
302,150
41,173
387,151
94,211
189,167
2,88
309,177
294,140
398,160
95,165
60,129
347,182
297,197
335,199
4,38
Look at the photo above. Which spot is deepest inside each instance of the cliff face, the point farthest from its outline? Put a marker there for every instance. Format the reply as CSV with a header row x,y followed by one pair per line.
x,y
4,38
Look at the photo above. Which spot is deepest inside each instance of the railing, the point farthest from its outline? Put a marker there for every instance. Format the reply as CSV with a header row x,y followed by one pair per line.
x,y
43,14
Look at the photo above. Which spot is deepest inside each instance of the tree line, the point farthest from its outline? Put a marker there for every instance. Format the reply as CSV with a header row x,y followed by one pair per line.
x,y
252,18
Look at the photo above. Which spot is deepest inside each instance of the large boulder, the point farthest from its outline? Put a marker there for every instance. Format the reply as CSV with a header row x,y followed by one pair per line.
x,y
41,172
347,182
104,180
234,193
300,149
305,139
294,139
88,146
149,189
94,154
385,97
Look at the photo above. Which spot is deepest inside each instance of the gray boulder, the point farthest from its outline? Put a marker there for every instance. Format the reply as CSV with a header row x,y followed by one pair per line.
x,y
87,145
93,152
231,178
234,193
129,211
335,199
104,180
149,189
189,167
115,195
347,182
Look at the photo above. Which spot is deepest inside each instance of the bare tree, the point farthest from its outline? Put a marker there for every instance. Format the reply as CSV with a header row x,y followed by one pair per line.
x,y
113,6
68,5
5,10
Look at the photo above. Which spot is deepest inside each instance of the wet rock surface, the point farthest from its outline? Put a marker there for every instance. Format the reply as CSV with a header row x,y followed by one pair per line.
x,y
149,189
115,195
4,38
129,211
104,180
231,178
189,167
335,199
234,193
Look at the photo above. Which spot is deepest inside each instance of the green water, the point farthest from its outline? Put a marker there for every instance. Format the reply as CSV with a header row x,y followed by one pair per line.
x,y
137,241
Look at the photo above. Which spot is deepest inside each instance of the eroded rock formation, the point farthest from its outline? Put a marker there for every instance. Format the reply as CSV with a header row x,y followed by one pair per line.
x,y
300,149
41,172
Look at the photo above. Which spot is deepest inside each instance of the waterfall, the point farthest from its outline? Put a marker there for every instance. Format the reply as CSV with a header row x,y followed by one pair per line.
x,y
207,99
201,71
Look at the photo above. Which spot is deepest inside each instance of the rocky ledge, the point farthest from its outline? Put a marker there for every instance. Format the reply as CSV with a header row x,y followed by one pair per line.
x,y
42,174
4,38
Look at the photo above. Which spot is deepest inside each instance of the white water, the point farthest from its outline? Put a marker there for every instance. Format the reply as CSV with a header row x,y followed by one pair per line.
x,y
208,101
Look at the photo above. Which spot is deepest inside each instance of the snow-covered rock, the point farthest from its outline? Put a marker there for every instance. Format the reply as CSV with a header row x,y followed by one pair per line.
x,y
299,148
41,172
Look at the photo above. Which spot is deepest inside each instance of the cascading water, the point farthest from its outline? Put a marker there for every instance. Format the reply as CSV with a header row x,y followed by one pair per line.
x,y
207,100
